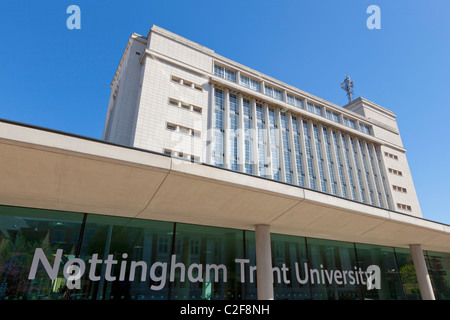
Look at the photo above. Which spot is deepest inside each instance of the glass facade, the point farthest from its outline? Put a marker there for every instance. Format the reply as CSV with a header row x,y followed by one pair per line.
x,y
261,139
55,255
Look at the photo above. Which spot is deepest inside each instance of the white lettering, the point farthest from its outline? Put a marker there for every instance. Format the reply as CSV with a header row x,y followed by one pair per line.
x,y
374,21
75,268
39,255
74,21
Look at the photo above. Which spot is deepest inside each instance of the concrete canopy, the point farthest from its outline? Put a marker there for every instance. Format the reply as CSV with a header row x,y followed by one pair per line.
x,y
45,169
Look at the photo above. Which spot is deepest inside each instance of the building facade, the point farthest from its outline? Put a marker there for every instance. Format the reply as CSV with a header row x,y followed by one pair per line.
x,y
214,181
176,97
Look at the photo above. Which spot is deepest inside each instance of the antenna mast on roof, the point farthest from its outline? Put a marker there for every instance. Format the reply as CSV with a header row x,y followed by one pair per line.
x,y
347,86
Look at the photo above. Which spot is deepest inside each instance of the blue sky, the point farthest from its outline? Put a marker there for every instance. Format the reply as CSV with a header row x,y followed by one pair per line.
x,y
59,78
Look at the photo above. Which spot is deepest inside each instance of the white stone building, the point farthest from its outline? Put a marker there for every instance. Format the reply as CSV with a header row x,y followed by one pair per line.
x,y
173,96
214,181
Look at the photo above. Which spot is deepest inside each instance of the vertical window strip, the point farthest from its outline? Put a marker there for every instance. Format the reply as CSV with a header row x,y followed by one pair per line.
x,y
318,143
366,170
309,155
286,148
330,161
383,179
298,152
262,145
218,137
358,171
349,167
233,137
248,139
274,145
375,176
337,151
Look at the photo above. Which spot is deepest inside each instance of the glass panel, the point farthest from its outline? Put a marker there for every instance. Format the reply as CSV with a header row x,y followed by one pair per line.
x,y
390,283
333,270
248,264
289,256
233,132
407,274
209,255
26,232
439,269
298,152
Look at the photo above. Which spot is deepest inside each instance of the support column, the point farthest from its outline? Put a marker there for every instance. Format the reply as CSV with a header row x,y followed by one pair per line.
x,y
426,289
264,273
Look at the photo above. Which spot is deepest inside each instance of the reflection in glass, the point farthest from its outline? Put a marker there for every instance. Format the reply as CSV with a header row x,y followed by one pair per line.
x,y
289,257
22,231
439,268
124,258
407,274
384,258
335,272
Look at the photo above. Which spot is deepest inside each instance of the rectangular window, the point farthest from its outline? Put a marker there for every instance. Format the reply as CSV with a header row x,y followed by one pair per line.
x,y
219,71
314,109
262,140
250,83
364,128
195,133
176,79
225,73
366,171
187,83
230,75
248,136
320,160
171,127
173,102
358,171
309,155
295,101
375,175
333,116
273,92
346,152
298,151
337,151
184,130
330,161
286,148
274,144
197,109
349,123
219,128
